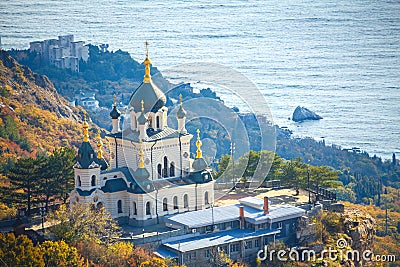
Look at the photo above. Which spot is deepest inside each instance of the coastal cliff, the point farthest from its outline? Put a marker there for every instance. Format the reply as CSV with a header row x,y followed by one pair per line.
x,y
350,233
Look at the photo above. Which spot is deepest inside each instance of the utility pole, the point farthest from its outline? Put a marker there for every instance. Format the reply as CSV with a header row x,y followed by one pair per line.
x,y
42,214
212,214
308,180
233,164
386,227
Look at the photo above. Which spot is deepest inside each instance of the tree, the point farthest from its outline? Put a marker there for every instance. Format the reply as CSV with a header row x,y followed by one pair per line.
x,y
324,176
274,171
224,166
119,253
83,222
24,177
19,251
154,262
58,174
294,172
59,253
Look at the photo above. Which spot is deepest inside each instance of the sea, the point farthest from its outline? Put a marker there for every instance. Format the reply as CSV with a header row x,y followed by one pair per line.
x,y
339,58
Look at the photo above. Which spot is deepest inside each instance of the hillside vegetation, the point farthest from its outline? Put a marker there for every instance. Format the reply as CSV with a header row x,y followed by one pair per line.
x,y
34,118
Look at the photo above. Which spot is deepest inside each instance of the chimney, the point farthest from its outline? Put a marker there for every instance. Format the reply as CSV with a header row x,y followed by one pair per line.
x,y
241,215
266,208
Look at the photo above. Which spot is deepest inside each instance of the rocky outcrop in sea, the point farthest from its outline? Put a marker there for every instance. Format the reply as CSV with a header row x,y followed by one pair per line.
x,y
302,114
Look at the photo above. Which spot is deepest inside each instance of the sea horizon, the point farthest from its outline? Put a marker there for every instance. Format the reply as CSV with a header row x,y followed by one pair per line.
x,y
337,58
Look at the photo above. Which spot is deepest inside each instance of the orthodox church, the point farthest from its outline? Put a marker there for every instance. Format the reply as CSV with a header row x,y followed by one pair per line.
x,y
150,173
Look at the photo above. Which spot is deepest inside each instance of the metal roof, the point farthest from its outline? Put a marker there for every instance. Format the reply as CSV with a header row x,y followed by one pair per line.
x,y
253,202
204,217
85,193
228,213
114,185
216,239
276,214
163,252
130,135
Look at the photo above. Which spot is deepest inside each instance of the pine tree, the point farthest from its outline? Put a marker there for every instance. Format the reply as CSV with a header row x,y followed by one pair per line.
x,y
63,159
57,175
24,178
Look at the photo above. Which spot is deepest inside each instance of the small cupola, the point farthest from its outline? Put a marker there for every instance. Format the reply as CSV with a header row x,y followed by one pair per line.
x,y
115,113
86,154
199,163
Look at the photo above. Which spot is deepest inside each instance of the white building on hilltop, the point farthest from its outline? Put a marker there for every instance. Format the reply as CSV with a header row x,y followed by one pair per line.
x,y
63,52
151,174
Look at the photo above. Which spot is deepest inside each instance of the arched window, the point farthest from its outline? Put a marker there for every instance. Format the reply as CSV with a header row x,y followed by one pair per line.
x,y
159,170
165,204
79,180
119,204
158,122
148,209
93,183
165,174
206,201
175,202
172,169
134,208
150,120
185,201
99,205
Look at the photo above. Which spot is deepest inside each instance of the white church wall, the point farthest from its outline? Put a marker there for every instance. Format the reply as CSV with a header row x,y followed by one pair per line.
x,y
85,177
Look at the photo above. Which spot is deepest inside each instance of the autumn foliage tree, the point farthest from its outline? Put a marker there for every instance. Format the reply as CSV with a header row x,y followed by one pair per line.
x,y
82,222
19,251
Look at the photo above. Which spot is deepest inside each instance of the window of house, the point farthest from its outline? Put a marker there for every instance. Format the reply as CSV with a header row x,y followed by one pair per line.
x,y
234,247
165,174
79,180
148,210
158,122
99,205
185,201
93,183
165,204
206,200
175,202
249,244
159,170
119,205
207,253
280,225
257,243
172,169
134,208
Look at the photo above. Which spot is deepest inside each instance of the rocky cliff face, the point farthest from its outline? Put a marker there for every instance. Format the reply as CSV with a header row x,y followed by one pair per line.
x,y
360,228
